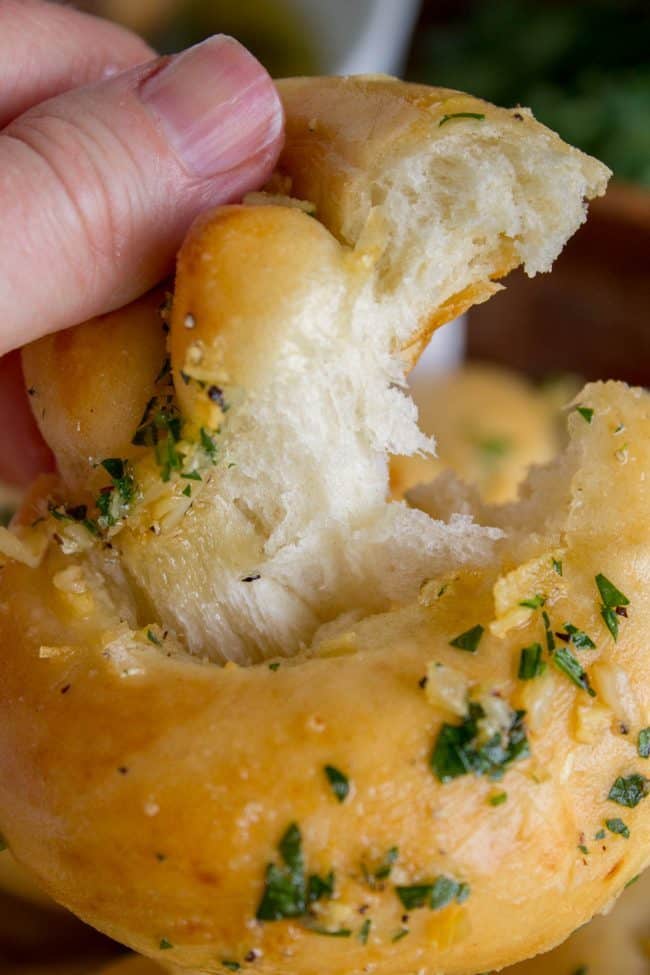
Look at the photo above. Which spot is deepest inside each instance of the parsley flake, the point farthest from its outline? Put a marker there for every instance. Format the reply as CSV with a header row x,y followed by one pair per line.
x,y
618,826
232,966
458,749
338,781
152,638
498,799
579,638
400,934
613,600
535,602
436,895
447,118
531,664
557,566
565,661
586,413
3,843
469,640
165,945
364,931
643,744
629,791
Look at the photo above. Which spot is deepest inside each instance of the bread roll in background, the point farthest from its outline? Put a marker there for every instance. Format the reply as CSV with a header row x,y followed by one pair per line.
x,y
248,722
490,425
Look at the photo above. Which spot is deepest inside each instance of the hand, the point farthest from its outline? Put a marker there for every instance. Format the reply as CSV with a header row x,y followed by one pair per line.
x,y
107,154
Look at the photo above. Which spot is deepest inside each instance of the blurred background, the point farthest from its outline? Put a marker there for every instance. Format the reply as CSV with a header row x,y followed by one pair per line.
x,y
584,69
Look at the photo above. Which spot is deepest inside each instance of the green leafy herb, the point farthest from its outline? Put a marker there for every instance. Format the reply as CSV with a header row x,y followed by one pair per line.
x,y
447,118
436,895
632,880
530,662
536,602
3,843
165,945
113,502
469,640
191,476
338,781
643,744
579,638
458,749
600,835
232,966
548,632
565,661
630,790
339,933
613,601
610,595
498,799
384,869
152,638
274,666
583,849
400,934
557,566
320,887
617,826
364,931
285,893
208,444
492,448
585,412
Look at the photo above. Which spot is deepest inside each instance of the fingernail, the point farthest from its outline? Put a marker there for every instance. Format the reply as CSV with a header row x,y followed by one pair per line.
x,y
216,104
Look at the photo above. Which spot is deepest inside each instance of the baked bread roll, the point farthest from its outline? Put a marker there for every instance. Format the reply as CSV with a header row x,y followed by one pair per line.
x,y
254,712
491,425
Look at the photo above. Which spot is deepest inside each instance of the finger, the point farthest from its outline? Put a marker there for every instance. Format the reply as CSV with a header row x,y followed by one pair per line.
x,y
23,452
98,186
46,49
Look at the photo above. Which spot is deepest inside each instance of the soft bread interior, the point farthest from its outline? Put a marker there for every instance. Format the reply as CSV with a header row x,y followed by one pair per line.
x,y
305,328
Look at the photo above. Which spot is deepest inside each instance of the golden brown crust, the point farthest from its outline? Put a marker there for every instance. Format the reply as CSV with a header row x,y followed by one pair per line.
x,y
89,385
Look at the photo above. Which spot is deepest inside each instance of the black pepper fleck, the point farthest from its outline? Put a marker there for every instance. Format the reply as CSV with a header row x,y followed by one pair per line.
x,y
252,578
66,688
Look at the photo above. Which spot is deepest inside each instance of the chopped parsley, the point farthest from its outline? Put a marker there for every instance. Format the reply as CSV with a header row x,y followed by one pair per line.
x,y
557,566
3,843
74,513
565,661
436,895
232,966
459,750
382,870
586,413
338,781
530,662
617,826
364,931
339,933
400,934
469,640
447,118
152,638
632,880
187,491
320,887
629,791
583,849
578,638
208,444
165,945
600,835
498,799
613,603
274,666
113,501
643,743
548,632
287,890
535,602
285,893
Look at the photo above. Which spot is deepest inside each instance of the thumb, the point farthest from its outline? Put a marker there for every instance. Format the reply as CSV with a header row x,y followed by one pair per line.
x,y
98,186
